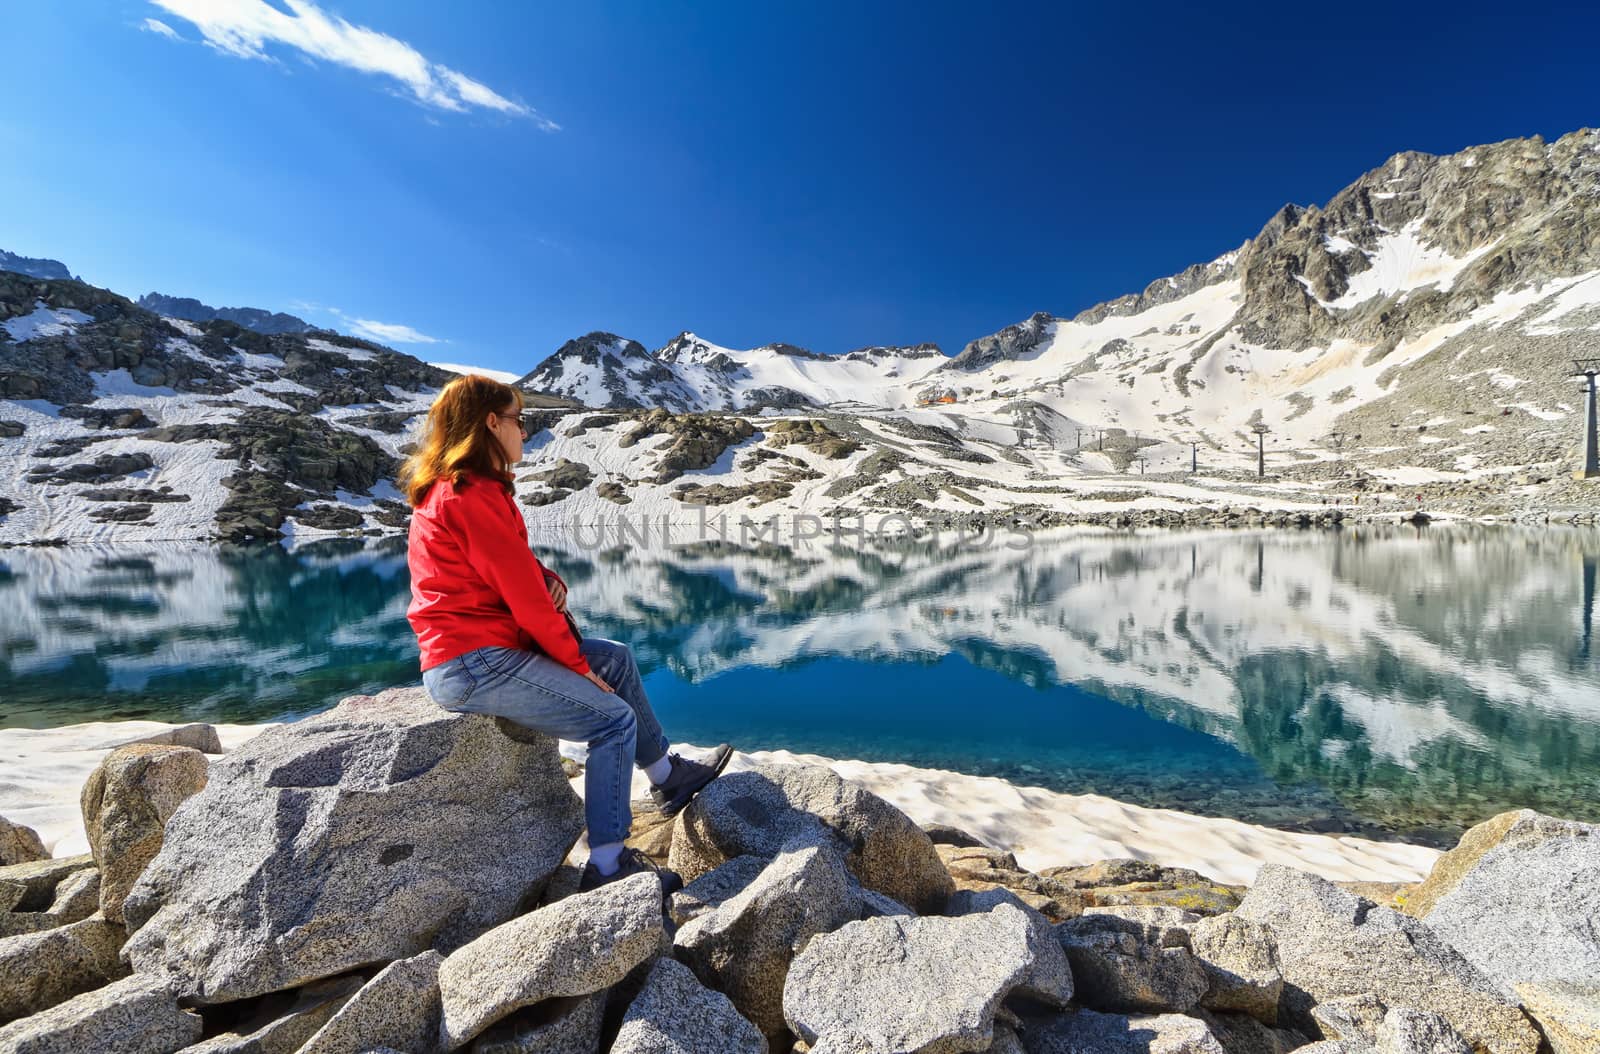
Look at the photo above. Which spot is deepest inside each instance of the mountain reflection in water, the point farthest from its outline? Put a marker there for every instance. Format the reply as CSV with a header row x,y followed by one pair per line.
x,y
1374,679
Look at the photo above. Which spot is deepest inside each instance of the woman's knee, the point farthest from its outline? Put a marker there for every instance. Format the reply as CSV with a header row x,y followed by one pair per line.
x,y
620,723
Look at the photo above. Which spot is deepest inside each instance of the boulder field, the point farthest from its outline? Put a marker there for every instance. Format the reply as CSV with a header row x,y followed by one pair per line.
x,y
388,876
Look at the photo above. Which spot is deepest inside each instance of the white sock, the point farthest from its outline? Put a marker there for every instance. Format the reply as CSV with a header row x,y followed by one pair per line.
x,y
604,857
659,770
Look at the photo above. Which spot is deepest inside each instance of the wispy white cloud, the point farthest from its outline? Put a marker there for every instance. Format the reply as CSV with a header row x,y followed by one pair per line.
x,y
382,332
160,28
244,29
389,332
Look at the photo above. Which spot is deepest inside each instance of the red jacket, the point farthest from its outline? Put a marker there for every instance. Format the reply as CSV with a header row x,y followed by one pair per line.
x,y
474,581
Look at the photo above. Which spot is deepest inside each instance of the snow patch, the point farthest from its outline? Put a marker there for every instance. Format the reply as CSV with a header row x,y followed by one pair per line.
x,y
1402,262
44,321
121,382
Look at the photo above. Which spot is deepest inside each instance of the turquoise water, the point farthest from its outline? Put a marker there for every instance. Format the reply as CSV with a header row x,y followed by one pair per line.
x,y
1378,681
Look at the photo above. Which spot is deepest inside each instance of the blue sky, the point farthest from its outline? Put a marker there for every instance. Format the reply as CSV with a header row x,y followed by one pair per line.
x,y
501,177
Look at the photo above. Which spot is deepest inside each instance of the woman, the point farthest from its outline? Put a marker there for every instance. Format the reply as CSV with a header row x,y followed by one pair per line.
x,y
492,627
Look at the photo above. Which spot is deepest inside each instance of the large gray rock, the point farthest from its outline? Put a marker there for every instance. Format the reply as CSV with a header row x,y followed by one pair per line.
x,y
1529,909
715,888
367,834
1240,960
20,844
39,970
137,1015
675,1014
583,944
1050,980
1088,1032
743,947
1523,827
1408,1031
284,1025
556,1026
126,804
1569,1014
910,985
1333,944
32,886
1122,965
398,1008
760,811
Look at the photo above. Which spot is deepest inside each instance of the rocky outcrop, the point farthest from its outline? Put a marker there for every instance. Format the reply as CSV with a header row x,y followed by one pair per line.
x,y
1568,1014
813,434
137,1015
1240,960
911,984
249,317
578,946
675,1014
1013,342
19,844
398,1008
760,811
1333,944
744,945
390,876
35,267
698,440
1526,910
1129,966
40,970
367,834
126,805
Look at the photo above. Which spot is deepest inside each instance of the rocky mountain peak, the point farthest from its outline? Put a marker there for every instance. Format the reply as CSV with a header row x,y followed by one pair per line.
x,y
1010,343
684,346
35,267
1422,240
255,318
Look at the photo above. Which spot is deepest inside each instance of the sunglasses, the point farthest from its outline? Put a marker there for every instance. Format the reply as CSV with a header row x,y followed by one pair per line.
x,y
522,426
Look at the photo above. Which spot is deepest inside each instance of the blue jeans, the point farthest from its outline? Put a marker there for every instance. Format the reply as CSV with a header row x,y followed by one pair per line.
x,y
537,692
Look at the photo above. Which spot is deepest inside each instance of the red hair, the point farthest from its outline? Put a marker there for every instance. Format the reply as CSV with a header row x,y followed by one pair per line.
x,y
455,442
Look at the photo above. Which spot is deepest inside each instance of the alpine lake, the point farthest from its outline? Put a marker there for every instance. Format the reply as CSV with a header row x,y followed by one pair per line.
x,y
1395,682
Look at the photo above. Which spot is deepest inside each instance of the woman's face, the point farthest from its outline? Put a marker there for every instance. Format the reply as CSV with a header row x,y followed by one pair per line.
x,y
507,428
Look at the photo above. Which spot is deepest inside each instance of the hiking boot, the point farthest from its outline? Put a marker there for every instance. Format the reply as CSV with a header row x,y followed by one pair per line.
x,y
631,862
689,778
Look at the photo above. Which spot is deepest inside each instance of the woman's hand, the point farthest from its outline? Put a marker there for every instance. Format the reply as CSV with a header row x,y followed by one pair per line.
x,y
558,592
597,679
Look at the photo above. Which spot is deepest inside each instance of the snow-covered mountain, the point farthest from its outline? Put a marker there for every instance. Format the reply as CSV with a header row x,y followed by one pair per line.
x,y
1409,343
119,423
692,374
1427,313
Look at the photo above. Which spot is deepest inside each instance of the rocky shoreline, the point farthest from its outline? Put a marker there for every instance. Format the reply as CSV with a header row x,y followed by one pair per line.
x,y
388,876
